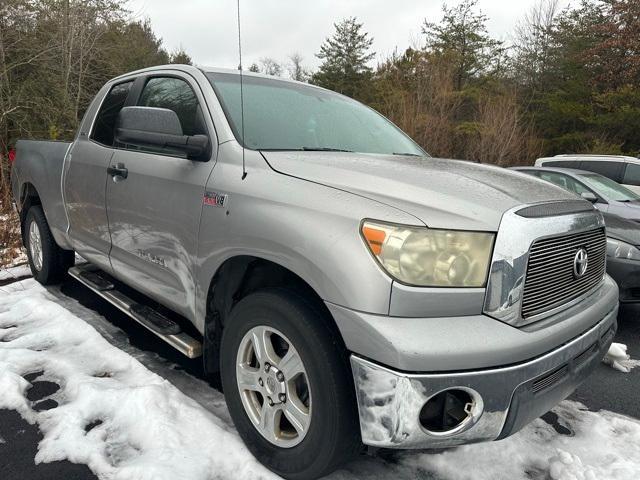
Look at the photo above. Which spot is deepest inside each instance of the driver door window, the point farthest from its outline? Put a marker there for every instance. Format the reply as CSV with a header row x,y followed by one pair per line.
x,y
174,94
564,182
577,187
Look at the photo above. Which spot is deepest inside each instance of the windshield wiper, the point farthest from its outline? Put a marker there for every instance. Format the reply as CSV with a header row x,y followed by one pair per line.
x,y
305,149
407,154
325,149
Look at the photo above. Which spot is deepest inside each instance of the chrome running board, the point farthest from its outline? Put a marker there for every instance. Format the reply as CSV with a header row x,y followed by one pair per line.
x,y
154,321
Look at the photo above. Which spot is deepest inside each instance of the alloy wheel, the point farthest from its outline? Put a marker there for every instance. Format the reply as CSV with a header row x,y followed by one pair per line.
x,y
274,386
35,245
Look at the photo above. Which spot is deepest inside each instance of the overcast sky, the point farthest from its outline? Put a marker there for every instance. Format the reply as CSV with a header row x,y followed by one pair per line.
x,y
207,29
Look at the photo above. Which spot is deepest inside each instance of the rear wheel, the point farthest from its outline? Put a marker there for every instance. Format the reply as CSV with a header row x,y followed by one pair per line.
x,y
48,262
288,385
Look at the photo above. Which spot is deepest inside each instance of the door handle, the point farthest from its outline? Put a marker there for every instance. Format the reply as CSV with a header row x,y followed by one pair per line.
x,y
118,171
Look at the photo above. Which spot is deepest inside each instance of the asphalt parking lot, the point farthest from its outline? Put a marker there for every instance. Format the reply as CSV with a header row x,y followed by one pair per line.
x,y
606,389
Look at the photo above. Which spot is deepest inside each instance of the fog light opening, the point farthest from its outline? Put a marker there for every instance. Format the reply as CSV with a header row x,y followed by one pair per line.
x,y
450,411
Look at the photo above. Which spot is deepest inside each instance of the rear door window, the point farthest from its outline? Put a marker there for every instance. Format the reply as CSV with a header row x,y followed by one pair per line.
x,y
632,174
104,126
612,170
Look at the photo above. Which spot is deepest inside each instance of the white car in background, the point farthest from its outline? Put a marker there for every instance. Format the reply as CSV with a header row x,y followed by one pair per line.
x,y
621,169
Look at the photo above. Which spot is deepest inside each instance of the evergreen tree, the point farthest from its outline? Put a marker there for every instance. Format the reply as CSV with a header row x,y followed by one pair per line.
x,y
180,57
615,57
344,57
462,36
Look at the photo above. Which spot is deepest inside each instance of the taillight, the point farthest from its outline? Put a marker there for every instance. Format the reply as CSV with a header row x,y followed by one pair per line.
x,y
12,156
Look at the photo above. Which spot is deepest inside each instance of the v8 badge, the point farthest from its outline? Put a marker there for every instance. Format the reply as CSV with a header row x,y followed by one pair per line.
x,y
214,199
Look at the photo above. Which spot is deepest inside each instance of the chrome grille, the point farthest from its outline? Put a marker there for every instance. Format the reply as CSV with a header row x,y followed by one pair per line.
x,y
550,281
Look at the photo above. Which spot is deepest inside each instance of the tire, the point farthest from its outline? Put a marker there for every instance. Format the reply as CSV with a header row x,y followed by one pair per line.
x,y
333,434
48,262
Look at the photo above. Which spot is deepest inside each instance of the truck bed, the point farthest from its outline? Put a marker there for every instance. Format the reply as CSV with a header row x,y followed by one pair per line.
x,y
39,165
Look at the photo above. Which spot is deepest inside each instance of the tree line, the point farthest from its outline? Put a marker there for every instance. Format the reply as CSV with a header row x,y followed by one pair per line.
x,y
54,56
566,82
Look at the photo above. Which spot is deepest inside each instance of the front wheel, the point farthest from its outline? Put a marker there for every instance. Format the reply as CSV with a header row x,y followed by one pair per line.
x,y
48,262
288,386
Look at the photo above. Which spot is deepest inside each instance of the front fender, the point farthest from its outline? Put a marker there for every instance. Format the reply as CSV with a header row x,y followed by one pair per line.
x,y
310,229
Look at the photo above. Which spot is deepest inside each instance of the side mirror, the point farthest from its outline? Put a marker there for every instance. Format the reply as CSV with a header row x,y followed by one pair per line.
x,y
157,128
589,196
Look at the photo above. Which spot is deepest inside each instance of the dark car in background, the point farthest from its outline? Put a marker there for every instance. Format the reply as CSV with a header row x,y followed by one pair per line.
x,y
623,236
623,257
607,195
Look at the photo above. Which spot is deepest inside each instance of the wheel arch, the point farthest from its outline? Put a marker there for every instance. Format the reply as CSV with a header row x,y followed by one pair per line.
x,y
239,276
29,197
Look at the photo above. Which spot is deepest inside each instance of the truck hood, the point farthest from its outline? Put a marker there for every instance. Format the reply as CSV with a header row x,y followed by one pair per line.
x,y
441,193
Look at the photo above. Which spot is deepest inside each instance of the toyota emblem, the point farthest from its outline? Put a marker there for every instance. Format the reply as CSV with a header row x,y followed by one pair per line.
x,y
580,263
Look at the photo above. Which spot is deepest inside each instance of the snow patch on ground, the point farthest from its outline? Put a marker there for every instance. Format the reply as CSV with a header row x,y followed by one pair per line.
x,y
114,415
618,358
600,445
10,273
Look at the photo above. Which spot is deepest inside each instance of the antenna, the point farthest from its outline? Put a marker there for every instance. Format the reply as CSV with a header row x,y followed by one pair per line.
x,y
244,170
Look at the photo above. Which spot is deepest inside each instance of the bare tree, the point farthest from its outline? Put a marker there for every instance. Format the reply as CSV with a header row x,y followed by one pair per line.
x,y
418,94
270,67
296,70
533,38
501,134
54,56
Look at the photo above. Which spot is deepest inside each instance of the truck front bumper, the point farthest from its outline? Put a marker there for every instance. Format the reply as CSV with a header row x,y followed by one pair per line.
x,y
506,376
505,399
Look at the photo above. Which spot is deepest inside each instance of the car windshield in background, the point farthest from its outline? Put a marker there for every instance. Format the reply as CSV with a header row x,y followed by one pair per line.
x,y
608,189
280,115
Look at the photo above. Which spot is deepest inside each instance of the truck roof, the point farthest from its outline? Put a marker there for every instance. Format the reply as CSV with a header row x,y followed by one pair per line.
x,y
204,69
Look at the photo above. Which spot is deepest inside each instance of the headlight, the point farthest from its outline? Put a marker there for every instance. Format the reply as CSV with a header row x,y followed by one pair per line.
x,y
426,257
619,249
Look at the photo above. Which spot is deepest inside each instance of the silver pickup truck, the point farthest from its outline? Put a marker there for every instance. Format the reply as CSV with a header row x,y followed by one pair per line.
x,y
347,289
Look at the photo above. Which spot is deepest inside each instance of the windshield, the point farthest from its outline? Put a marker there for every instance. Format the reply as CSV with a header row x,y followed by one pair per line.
x,y
608,189
281,115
